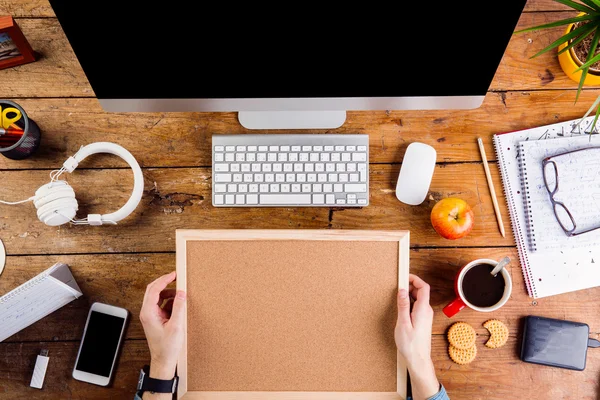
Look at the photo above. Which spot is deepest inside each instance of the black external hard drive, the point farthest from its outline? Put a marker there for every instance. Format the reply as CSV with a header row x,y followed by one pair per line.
x,y
555,342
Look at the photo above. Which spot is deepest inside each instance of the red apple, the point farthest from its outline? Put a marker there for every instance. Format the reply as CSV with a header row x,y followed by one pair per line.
x,y
452,218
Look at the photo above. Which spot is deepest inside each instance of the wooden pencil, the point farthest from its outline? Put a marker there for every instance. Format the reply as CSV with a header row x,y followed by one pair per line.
x,y
491,186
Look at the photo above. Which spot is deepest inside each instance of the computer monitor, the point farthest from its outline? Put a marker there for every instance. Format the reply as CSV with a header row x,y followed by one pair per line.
x,y
288,65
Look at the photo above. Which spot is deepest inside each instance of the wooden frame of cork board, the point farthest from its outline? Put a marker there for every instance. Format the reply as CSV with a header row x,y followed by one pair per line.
x,y
291,314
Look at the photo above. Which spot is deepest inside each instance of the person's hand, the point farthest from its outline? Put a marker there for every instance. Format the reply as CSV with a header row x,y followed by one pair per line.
x,y
163,318
413,337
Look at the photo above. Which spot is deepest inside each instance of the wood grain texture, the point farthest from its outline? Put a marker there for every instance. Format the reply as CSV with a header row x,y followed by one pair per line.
x,y
179,198
26,8
121,279
494,374
184,139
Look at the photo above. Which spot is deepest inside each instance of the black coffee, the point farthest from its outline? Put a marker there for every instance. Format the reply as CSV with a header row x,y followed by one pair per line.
x,y
481,288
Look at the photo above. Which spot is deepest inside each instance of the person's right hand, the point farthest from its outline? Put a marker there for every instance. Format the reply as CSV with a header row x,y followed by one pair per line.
x,y
164,326
413,337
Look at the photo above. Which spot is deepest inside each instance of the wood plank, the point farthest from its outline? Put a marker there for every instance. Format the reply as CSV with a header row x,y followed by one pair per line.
x,y
28,8
121,279
55,73
182,199
544,5
499,374
184,139
17,361
58,73
518,71
494,374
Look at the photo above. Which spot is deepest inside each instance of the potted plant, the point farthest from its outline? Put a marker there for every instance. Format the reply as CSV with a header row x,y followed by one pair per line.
x,y
578,46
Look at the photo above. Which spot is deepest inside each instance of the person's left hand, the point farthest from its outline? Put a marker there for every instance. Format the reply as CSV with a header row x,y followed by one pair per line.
x,y
164,326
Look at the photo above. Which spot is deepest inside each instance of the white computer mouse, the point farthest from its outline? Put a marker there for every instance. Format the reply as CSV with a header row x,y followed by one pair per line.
x,y
416,172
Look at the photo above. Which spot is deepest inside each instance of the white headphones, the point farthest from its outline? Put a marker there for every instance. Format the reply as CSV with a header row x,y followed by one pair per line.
x,y
56,203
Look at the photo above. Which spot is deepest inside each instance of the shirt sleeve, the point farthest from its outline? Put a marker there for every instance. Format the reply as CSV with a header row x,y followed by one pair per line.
x,y
441,395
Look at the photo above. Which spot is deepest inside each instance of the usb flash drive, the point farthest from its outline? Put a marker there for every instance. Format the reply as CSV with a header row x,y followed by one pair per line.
x,y
39,372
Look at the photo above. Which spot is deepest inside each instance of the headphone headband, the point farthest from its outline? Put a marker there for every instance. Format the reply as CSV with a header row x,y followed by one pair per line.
x,y
138,178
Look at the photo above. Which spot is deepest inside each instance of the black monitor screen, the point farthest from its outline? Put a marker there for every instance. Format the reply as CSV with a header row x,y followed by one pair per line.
x,y
132,50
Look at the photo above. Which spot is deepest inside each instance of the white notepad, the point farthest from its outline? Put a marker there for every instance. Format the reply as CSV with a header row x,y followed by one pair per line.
x,y
578,190
36,298
546,273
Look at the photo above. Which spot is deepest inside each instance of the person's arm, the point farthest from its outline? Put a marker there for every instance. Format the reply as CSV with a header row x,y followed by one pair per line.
x,y
413,339
163,318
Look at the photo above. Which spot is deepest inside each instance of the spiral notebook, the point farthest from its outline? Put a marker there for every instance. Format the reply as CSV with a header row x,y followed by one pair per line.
x,y
547,272
36,298
578,190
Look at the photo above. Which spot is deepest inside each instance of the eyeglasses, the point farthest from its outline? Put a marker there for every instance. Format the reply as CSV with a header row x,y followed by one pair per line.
x,y
563,215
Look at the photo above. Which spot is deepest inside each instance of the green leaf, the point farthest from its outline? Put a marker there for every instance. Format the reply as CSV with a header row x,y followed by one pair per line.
x,y
595,120
590,56
591,4
577,6
562,22
597,3
582,30
572,44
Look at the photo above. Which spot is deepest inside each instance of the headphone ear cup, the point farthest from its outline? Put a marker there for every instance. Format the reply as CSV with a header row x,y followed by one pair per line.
x,y
56,203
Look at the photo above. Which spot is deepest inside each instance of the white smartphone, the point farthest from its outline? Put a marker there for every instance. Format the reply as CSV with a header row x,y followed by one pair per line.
x,y
102,338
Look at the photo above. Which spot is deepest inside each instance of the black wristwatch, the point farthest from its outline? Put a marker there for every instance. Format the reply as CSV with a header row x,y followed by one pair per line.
x,y
147,384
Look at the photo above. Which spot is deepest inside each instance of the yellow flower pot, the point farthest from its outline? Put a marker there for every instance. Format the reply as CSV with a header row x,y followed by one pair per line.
x,y
569,63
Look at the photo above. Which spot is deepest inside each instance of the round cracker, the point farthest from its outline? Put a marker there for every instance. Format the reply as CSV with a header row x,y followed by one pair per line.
x,y
462,335
498,333
462,356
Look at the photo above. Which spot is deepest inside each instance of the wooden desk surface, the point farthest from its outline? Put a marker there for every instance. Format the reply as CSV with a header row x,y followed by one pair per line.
x,y
114,264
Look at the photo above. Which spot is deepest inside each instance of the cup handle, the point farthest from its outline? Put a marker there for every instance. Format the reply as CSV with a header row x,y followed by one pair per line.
x,y
454,307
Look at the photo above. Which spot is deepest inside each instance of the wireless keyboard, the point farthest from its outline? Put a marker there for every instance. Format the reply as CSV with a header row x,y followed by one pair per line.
x,y
290,170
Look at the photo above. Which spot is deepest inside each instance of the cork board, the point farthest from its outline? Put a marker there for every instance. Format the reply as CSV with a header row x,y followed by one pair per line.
x,y
284,313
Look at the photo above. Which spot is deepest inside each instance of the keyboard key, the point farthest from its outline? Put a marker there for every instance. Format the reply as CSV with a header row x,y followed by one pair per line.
x,y
306,187
348,157
273,148
361,148
355,187
232,188
296,148
362,201
306,148
263,148
253,188
240,148
339,148
245,167
285,188
219,157
220,188
340,201
272,157
359,157
219,148
296,188
328,148
317,148
338,188
330,199
240,157
354,178
317,188
235,167
328,188
229,157
237,177
274,188
350,148
290,177
252,199
229,148
261,157
293,157
269,177
252,148
318,199
219,199
285,199
222,177
229,199
264,188
240,199
242,187
279,177
251,157
284,148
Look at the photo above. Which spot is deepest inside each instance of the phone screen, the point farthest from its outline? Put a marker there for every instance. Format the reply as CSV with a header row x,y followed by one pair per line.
x,y
100,344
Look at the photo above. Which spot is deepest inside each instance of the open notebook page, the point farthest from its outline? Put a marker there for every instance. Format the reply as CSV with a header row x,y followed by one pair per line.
x,y
578,190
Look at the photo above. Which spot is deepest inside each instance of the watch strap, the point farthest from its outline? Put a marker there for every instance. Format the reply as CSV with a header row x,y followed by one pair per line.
x,y
147,384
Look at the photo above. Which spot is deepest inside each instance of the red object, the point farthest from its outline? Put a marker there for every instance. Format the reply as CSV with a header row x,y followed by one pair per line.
x,y
10,136
9,26
457,304
452,218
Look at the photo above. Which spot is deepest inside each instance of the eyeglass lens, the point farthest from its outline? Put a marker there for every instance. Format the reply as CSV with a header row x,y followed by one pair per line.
x,y
550,176
563,217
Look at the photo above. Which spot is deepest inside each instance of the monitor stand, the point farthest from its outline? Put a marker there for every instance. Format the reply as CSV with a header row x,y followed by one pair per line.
x,y
291,119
